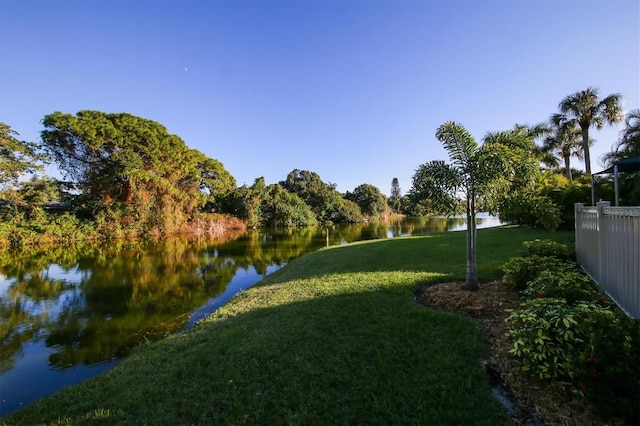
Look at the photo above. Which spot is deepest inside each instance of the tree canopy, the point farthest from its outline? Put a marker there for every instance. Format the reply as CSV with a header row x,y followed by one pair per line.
x,y
371,201
271,205
326,202
133,166
16,157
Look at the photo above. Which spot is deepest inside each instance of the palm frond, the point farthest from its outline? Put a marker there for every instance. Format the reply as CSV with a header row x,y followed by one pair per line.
x,y
458,142
611,108
440,183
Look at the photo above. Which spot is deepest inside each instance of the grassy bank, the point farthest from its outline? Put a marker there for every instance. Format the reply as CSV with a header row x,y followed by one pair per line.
x,y
335,337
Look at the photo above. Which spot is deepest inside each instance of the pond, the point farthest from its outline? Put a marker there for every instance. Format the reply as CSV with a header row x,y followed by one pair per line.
x,y
70,313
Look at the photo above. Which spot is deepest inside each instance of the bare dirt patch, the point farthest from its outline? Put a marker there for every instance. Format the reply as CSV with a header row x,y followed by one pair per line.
x,y
536,402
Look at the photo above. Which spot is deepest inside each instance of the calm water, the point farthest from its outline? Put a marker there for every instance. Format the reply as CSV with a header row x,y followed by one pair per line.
x,y
68,314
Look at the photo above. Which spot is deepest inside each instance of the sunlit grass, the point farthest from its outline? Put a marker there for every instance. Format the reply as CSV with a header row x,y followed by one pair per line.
x,y
335,337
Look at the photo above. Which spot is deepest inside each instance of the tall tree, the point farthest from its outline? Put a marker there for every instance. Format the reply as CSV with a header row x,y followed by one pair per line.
x,y
371,201
587,110
272,205
395,199
472,172
17,157
133,167
323,198
628,146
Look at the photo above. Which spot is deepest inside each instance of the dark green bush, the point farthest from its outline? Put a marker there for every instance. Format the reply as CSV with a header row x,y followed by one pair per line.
x,y
608,371
547,248
571,285
518,271
595,348
567,330
546,337
529,209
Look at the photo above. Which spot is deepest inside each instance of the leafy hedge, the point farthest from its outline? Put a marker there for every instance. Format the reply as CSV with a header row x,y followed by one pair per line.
x,y
570,285
567,330
520,271
547,248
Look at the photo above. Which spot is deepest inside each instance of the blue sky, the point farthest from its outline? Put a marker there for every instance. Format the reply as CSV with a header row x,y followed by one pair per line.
x,y
352,90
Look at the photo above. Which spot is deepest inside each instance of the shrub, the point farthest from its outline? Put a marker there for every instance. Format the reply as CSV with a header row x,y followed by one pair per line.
x,y
518,271
547,248
546,337
570,285
608,371
565,194
534,210
593,347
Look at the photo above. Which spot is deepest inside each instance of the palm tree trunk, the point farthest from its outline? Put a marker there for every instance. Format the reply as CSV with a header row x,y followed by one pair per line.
x,y
471,280
567,167
587,162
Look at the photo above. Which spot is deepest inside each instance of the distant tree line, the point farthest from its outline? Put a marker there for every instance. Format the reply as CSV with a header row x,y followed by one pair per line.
x,y
126,176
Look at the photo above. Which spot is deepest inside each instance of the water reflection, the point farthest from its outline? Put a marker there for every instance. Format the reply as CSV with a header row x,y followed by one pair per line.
x,y
68,313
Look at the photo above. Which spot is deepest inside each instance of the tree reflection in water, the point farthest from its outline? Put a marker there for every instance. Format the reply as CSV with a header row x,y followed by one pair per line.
x,y
91,304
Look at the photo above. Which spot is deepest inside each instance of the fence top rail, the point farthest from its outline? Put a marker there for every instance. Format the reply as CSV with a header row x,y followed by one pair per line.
x,y
621,211
605,208
587,209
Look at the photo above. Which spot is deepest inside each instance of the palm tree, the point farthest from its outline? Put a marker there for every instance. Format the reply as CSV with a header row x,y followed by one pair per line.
x,y
628,146
471,173
631,133
586,109
563,140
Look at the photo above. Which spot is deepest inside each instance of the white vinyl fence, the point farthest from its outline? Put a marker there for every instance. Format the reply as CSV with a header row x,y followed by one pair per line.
x,y
608,248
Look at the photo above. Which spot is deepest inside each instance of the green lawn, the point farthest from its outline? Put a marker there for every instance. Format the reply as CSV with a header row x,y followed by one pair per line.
x,y
335,337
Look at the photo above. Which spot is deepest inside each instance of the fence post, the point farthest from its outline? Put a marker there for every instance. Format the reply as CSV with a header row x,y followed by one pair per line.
x,y
603,233
577,224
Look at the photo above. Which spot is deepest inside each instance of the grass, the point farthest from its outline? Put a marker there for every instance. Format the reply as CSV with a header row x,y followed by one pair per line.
x,y
335,337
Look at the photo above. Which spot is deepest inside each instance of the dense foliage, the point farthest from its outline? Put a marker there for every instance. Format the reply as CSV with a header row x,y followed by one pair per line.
x,y
132,169
16,157
20,226
271,205
519,199
567,330
547,248
371,201
325,201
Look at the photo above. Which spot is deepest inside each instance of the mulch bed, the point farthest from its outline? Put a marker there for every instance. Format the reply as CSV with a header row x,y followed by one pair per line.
x,y
550,403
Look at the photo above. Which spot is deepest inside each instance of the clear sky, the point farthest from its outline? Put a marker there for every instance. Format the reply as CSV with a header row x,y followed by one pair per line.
x,y
352,90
